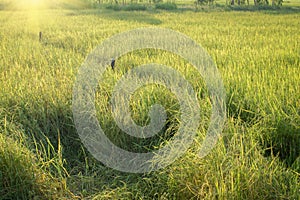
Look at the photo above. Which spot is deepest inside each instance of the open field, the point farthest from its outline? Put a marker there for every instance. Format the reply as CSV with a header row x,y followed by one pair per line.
x,y
256,52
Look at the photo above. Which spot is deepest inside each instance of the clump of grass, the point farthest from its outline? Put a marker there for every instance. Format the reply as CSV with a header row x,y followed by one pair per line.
x,y
235,169
128,7
21,177
132,7
166,6
283,141
114,7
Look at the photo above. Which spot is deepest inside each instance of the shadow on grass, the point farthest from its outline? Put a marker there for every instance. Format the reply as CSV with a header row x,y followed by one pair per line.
x,y
282,136
147,17
138,16
48,126
6,6
87,175
52,124
284,142
268,9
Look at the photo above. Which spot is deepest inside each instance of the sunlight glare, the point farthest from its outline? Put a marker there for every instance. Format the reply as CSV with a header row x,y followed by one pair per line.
x,y
31,4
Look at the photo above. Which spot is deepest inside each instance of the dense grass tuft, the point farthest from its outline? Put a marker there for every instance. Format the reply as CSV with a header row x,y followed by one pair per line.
x,y
22,177
166,6
129,7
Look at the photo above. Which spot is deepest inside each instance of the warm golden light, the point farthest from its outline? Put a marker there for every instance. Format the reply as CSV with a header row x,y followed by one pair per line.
x,y
31,4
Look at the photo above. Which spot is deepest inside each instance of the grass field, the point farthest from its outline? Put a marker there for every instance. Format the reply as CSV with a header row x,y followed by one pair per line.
x,y
257,54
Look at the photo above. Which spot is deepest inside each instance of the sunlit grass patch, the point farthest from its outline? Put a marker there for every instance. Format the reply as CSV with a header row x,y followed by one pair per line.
x,y
257,54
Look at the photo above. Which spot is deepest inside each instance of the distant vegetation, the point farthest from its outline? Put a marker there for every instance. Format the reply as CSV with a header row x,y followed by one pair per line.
x,y
170,4
257,54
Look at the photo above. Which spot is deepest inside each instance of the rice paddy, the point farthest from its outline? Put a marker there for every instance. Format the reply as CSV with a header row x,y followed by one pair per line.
x,y
256,52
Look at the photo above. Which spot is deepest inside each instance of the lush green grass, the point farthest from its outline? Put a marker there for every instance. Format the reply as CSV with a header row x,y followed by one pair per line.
x,y
256,52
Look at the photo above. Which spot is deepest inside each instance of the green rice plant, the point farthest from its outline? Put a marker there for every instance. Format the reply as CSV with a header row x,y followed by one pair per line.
x,y
166,6
21,177
257,157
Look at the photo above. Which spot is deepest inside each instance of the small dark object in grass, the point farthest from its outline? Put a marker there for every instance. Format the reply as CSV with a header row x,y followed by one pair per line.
x,y
40,36
112,64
